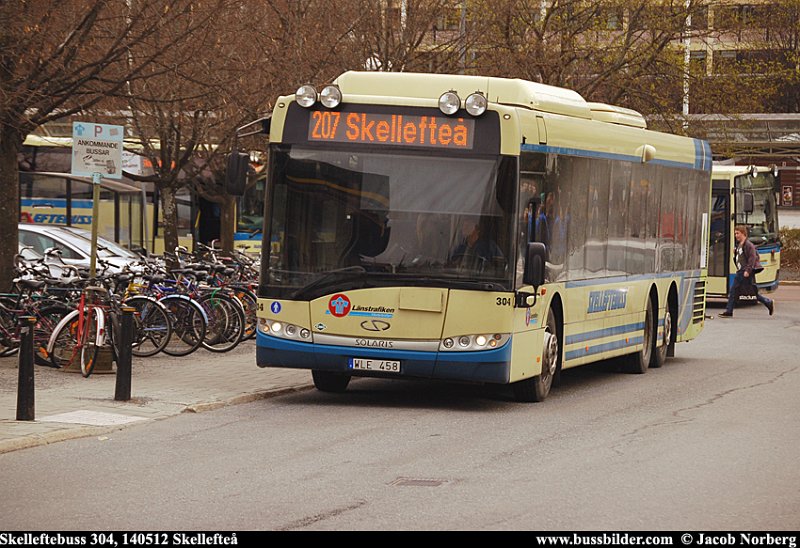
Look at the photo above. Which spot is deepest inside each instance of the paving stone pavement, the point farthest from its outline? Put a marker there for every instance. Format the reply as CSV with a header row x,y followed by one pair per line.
x,y
69,406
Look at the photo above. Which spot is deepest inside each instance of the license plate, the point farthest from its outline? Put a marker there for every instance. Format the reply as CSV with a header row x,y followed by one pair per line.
x,y
363,364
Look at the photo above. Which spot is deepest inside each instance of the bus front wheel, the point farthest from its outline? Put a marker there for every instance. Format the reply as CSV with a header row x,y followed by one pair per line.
x,y
537,388
328,381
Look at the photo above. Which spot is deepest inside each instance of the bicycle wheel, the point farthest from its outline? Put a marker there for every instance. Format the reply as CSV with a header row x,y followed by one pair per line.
x,y
63,346
8,340
250,303
188,322
90,338
226,322
152,326
47,319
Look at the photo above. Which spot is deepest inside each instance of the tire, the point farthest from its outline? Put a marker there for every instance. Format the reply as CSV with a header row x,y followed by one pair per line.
x,y
152,326
660,352
47,320
537,388
8,328
638,363
329,381
89,347
188,322
63,346
250,303
226,322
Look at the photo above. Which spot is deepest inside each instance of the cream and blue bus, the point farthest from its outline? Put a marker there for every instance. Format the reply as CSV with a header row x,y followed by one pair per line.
x,y
743,195
475,229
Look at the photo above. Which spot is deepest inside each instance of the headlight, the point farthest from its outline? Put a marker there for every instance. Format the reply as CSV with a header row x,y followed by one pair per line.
x,y
330,96
476,104
467,343
284,330
449,103
306,96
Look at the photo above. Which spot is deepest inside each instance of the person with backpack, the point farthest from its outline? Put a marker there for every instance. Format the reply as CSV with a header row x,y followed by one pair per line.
x,y
747,264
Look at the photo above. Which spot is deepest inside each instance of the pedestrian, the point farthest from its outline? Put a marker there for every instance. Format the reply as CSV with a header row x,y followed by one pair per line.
x,y
745,256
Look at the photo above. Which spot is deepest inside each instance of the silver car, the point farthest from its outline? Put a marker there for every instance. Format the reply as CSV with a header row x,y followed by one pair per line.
x,y
75,245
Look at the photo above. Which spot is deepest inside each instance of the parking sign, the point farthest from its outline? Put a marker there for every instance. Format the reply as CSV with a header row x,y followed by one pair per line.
x,y
97,148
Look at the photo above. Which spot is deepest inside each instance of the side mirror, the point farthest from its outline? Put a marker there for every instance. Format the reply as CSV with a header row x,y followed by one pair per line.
x,y
236,173
747,202
534,264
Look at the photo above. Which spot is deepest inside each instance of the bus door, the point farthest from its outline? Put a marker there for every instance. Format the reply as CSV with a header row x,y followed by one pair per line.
x,y
720,236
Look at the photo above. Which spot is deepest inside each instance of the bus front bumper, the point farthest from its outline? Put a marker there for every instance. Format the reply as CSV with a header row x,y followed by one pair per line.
x,y
486,366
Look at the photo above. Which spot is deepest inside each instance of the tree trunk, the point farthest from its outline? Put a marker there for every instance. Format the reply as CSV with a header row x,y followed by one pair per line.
x,y
170,215
227,222
10,144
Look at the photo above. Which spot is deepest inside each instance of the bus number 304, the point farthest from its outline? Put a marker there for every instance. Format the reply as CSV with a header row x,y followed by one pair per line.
x,y
504,301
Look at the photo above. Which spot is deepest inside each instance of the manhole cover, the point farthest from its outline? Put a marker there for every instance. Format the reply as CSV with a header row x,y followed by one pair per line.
x,y
417,482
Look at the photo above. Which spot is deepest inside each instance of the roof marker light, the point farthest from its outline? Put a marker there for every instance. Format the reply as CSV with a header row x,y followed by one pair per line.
x,y
476,104
306,96
330,96
449,102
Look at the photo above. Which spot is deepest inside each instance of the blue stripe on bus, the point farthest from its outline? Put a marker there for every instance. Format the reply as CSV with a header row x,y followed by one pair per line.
x,y
769,248
698,153
703,156
247,236
600,348
55,202
602,333
567,151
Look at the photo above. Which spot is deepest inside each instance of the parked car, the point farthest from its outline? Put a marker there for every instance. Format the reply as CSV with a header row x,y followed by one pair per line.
x,y
41,266
75,245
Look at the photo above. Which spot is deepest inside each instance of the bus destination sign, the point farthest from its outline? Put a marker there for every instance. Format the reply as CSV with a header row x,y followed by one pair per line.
x,y
391,129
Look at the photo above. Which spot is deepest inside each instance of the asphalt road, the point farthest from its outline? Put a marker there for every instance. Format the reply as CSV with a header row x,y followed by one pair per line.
x,y
708,442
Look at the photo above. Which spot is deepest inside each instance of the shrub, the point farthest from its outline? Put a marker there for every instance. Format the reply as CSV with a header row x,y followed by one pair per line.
x,y
790,254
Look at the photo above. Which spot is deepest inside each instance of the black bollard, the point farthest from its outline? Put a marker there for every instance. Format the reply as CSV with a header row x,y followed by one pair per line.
x,y
26,408
124,355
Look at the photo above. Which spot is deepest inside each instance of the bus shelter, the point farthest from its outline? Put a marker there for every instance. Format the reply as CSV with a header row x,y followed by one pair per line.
x,y
63,199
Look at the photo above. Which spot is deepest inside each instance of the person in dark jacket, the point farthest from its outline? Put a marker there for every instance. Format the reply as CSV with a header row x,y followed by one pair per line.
x,y
747,264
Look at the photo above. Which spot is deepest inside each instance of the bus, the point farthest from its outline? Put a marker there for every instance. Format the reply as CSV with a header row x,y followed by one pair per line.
x,y
250,217
476,229
743,195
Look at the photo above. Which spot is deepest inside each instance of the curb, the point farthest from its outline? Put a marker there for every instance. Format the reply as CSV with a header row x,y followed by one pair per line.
x,y
244,398
70,432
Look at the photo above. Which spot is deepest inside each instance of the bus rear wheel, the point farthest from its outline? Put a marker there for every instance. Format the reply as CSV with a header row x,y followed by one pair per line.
x,y
639,362
660,353
329,381
537,388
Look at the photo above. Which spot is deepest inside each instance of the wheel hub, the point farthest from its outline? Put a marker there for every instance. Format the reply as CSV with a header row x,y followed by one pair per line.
x,y
550,354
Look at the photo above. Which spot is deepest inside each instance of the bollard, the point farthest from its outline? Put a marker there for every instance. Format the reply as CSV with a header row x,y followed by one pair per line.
x,y
26,408
124,355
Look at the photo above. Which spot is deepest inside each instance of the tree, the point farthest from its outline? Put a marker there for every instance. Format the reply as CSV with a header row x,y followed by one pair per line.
x,y
173,111
615,51
61,57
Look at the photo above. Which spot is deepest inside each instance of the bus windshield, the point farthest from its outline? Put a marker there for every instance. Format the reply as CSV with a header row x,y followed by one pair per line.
x,y
763,222
362,219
